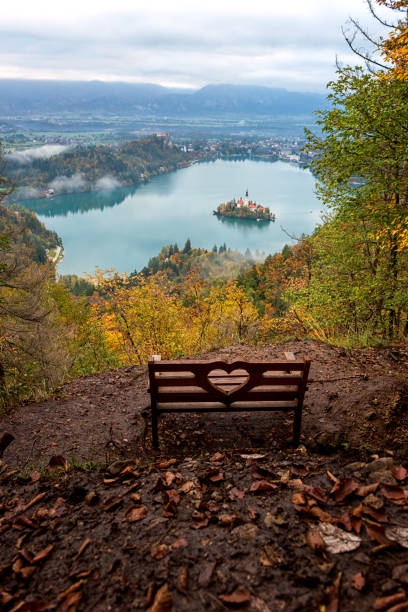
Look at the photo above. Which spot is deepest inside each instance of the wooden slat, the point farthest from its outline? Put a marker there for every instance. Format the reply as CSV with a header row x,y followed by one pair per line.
x,y
198,394
219,407
208,366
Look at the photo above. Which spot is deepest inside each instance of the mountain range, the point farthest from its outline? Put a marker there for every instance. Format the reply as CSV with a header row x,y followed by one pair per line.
x,y
39,97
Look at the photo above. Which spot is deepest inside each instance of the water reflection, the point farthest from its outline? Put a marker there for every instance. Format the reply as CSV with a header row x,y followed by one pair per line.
x,y
62,205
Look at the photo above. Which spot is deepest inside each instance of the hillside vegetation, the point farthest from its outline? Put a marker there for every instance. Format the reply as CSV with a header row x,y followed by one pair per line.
x,y
80,168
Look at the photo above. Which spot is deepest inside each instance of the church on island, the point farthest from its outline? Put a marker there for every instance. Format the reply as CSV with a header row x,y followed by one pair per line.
x,y
244,208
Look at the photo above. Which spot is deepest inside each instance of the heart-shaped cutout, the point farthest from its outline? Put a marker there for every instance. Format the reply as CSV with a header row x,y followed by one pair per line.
x,y
228,382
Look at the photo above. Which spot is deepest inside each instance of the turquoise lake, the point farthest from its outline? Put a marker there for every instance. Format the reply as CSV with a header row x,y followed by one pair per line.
x,y
124,227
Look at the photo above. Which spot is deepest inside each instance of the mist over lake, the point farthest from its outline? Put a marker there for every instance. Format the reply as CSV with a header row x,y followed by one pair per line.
x,y
123,228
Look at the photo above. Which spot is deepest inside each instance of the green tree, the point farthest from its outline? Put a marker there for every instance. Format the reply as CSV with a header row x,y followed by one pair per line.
x,y
360,266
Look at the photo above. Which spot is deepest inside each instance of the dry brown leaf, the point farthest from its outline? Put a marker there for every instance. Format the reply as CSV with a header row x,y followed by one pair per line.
x,y
344,488
187,486
359,581
385,603
377,532
91,498
316,492
43,554
182,581
34,501
158,551
136,513
179,543
262,486
398,534
399,472
235,493
84,544
166,464
337,540
315,541
58,461
240,596
367,489
163,600
217,457
298,499
112,502
169,477
206,573
226,519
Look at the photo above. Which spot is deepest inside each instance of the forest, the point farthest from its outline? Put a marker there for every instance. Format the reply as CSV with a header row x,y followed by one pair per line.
x,y
128,164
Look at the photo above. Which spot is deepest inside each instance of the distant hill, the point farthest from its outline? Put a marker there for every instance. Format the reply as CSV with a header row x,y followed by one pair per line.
x,y
24,97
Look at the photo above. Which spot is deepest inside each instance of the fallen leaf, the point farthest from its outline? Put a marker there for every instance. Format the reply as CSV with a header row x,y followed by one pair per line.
x,y
399,472
58,461
299,499
166,464
398,534
262,486
332,595
136,513
337,540
84,544
158,551
254,457
91,498
206,573
359,581
27,571
43,554
315,492
315,541
377,532
187,486
226,519
385,603
112,502
74,587
182,581
169,477
179,543
343,489
235,493
34,501
217,457
395,493
367,489
269,556
240,596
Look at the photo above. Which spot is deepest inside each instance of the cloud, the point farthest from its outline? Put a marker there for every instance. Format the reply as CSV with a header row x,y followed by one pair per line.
x,y
290,45
28,155
26,193
68,184
106,183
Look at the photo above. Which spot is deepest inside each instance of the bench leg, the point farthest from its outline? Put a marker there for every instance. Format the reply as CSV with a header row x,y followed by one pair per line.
x,y
155,435
297,424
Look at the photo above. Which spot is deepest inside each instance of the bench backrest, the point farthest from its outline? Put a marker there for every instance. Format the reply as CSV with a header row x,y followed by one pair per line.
x,y
219,381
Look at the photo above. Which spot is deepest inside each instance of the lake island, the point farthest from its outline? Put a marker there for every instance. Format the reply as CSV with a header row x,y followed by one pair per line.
x,y
244,208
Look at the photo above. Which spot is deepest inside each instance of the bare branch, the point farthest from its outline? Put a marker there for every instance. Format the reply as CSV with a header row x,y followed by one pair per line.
x,y
363,54
374,14
362,31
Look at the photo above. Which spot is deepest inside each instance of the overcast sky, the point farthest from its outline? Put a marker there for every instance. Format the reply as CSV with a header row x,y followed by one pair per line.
x,y
180,43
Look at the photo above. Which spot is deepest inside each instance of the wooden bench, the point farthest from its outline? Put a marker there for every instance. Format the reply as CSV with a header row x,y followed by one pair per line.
x,y
218,386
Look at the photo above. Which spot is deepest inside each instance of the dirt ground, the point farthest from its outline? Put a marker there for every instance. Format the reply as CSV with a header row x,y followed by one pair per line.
x,y
226,515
